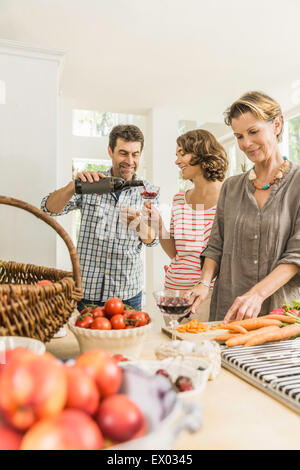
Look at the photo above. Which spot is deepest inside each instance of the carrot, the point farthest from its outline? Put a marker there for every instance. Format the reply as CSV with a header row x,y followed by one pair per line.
x,y
242,339
254,323
225,337
236,328
282,333
282,318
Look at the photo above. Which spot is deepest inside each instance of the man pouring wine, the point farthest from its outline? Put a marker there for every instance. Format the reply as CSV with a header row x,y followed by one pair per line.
x,y
110,251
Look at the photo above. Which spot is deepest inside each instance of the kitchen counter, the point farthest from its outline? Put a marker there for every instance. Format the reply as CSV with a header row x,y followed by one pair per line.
x,y
236,414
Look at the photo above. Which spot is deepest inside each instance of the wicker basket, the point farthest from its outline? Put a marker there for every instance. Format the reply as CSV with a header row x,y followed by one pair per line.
x,y
27,309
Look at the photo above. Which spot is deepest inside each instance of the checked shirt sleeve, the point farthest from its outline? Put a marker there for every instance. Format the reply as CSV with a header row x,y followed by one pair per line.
x,y
74,203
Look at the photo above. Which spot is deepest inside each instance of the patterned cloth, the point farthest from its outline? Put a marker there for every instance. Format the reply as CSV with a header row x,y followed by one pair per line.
x,y
109,252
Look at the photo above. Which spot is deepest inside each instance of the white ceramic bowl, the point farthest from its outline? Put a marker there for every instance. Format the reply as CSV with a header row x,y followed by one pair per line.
x,y
12,342
127,342
176,368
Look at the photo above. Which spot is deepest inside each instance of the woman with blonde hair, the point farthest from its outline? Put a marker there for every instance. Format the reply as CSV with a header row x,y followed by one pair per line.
x,y
254,247
203,161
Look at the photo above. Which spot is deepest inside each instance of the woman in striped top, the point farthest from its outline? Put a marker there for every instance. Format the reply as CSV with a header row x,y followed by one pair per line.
x,y
203,161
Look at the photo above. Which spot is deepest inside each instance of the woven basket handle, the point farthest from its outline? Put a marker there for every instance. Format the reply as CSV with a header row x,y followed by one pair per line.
x,y
50,221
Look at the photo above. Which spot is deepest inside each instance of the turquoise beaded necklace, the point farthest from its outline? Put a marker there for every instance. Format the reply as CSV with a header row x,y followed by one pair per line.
x,y
282,169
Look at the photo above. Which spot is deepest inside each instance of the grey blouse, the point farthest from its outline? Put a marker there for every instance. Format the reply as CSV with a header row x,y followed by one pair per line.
x,y
248,243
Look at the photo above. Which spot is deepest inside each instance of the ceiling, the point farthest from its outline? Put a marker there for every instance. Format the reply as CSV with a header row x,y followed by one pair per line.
x,y
192,56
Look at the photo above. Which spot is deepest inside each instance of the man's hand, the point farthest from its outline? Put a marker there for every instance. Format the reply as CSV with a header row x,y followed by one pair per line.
x,y
138,221
90,176
154,219
130,217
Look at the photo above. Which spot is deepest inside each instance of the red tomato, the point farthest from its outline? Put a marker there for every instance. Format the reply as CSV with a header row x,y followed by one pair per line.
x,y
114,306
127,314
98,312
128,327
101,323
118,322
44,282
139,318
84,321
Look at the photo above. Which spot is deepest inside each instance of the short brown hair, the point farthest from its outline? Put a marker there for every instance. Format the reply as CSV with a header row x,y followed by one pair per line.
x,y
129,133
207,152
262,106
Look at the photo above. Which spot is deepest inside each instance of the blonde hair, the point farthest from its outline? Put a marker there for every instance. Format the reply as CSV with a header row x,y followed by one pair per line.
x,y
206,152
262,106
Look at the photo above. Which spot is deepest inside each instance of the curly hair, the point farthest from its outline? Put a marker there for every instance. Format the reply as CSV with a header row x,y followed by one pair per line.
x,y
129,133
206,152
262,106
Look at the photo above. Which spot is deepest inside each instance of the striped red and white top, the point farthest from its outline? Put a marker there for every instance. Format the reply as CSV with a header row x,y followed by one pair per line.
x,y
191,231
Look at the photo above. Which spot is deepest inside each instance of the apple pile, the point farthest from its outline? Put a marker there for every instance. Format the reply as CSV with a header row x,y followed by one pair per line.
x,y
112,316
48,405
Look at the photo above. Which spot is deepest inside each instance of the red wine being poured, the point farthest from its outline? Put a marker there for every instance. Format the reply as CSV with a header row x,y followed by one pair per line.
x,y
148,195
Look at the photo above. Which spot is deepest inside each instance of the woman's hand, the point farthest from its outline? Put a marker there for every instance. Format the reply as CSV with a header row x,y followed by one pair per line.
x,y
198,294
154,217
244,306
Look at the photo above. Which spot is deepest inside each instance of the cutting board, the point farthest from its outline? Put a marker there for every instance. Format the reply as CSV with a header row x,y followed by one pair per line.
x,y
196,337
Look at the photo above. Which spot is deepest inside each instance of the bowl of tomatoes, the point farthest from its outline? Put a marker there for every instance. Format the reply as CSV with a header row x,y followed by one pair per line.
x,y
114,327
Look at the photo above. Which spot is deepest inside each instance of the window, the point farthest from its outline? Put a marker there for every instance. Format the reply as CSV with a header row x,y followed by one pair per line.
x,y
232,159
294,139
87,123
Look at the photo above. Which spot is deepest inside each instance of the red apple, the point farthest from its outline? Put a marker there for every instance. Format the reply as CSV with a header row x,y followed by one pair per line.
x,y
9,439
11,354
103,368
82,393
69,430
119,418
31,387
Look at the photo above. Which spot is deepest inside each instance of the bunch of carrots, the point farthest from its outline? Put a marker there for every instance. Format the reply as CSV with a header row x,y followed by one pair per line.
x,y
255,331
195,326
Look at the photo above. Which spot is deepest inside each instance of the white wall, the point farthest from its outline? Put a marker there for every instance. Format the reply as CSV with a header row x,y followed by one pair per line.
x,y
28,148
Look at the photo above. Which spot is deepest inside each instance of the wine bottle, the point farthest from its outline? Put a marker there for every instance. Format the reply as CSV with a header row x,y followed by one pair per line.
x,y
105,185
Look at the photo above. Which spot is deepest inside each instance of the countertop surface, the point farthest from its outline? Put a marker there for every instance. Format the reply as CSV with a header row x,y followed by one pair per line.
x,y
236,414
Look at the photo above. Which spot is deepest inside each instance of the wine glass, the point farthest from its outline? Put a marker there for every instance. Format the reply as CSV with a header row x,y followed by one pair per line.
x,y
174,306
150,195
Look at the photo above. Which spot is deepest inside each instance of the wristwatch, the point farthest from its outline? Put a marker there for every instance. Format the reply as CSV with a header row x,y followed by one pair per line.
x,y
205,283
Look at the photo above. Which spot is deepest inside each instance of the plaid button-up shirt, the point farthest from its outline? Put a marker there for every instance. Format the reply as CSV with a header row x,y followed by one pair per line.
x,y
109,252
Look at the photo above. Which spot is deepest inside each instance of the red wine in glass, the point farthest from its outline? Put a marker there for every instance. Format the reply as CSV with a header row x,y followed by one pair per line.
x,y
173,306
174,309
150,194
